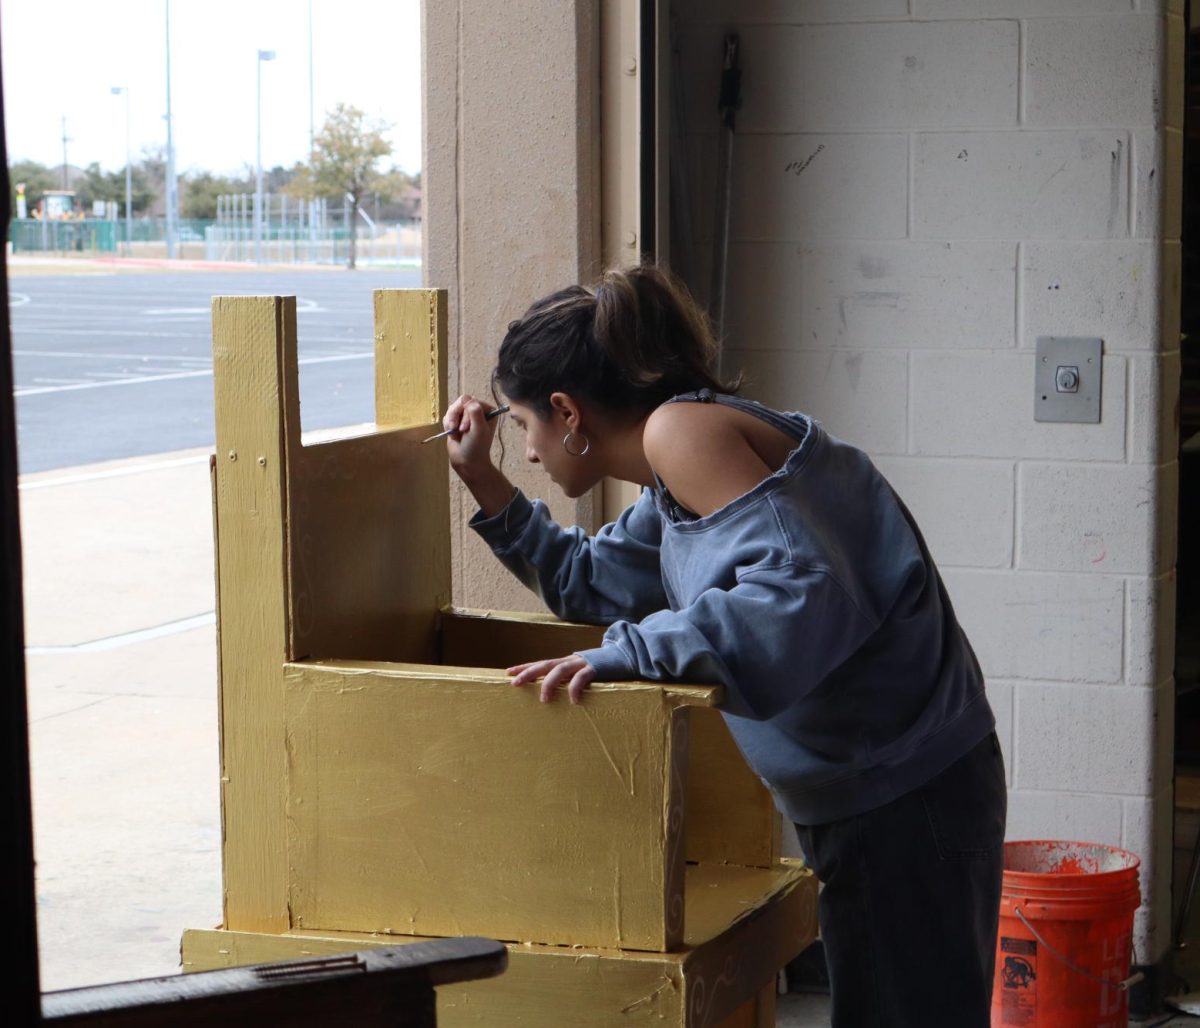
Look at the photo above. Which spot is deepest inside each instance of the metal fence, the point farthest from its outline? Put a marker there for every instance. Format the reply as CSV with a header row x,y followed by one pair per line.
x,y
31,235
325,240
301,244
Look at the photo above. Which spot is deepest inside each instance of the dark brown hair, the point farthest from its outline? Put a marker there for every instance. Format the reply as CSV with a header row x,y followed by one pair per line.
x,y
635,340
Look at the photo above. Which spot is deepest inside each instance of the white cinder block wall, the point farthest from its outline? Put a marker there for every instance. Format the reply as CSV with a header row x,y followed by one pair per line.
x,y
922,188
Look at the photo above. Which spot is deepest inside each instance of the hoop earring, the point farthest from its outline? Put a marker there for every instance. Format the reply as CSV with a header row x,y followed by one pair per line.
x,y
587,445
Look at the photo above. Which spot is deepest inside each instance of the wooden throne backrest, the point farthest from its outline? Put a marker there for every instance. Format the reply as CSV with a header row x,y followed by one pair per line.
x,y
342,519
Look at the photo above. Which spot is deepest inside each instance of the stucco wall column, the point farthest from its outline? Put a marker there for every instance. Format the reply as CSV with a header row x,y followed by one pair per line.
x,y
511,180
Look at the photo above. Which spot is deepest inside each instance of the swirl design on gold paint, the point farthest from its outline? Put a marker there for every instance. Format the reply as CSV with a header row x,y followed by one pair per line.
x,y
703,998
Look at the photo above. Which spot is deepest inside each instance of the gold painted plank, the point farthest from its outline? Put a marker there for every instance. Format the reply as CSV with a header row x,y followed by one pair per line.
x,y
487,638
257,411
776,925
410,357
764,1004
672,693
746,1016
552,986
731,816
455,804
758,1012
543,987
369,547
500,639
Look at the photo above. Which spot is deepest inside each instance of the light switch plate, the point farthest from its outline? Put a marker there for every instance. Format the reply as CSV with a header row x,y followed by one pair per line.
x,y
1057,356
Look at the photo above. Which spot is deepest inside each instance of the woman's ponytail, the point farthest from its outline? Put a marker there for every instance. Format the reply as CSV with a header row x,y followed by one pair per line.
x,y
634,341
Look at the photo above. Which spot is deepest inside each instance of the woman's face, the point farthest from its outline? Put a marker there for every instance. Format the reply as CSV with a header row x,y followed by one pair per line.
x,y
544,446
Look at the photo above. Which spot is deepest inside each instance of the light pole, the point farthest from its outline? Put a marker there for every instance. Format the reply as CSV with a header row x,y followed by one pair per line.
x,y
312,132
171,183
117,91
263,55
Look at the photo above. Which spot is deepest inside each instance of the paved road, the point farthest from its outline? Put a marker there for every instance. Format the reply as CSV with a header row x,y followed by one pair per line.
x,y
110,366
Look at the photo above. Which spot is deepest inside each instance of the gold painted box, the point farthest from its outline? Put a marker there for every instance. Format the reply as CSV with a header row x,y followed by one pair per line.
x,y
380,778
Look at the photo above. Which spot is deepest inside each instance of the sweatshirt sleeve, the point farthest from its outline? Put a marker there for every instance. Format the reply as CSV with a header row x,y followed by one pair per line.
x,y
768,640
596,579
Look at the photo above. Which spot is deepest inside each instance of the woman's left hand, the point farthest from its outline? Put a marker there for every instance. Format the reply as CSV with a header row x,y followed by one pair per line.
x,y
572,669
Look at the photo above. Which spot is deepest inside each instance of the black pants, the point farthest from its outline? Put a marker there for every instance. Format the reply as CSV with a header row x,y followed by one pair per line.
x,y
911,900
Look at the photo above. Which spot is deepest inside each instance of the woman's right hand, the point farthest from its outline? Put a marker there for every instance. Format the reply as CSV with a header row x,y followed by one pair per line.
x,y
470,447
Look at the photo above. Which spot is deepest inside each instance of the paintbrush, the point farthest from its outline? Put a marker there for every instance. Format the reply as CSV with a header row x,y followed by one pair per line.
x,y
495,412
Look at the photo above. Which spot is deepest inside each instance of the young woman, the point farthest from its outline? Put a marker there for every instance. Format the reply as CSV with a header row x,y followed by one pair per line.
x,y
770,557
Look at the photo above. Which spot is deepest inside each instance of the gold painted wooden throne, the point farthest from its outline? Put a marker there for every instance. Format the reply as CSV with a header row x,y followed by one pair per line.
x,y
380,779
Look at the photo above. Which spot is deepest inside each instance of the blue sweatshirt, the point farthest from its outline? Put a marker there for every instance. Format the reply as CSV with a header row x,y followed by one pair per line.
x,y
812,599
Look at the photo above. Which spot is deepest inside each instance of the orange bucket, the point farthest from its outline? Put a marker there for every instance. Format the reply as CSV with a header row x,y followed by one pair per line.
x,y
1065,943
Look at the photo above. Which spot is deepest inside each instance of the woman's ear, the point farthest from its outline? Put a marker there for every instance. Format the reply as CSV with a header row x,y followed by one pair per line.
x,y
566,410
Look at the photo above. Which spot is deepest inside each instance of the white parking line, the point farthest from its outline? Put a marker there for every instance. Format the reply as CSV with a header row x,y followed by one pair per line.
x,y
28,330
110,356
40,390
303,306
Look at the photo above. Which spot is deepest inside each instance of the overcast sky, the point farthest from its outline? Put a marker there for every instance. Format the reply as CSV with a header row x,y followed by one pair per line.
x,y
62,57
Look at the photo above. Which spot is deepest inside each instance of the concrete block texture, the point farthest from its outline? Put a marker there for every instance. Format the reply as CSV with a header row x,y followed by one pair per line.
x,y
807,187
1015,8
1021,185
1050,627
1157,184
879,75
964,508
1093,71
1036,814
857,395
1154,408
1110,290
701,163
981,405
1148,832
1076,738
885,295
1153,920
1150,629
1095,517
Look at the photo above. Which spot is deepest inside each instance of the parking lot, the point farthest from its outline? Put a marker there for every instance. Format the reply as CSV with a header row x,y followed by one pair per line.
x,y
113,365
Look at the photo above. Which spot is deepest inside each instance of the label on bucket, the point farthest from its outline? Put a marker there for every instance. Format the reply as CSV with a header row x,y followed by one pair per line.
x,y
1018,981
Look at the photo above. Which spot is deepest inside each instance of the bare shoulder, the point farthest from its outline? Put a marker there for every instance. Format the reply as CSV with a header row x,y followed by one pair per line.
x,y
702,454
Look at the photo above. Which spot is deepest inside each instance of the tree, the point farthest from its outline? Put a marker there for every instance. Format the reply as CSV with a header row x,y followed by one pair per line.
x,y
110,185
153,166
345,158
199,191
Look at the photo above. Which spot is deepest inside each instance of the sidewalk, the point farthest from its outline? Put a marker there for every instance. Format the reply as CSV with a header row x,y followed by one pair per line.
x,y
122,686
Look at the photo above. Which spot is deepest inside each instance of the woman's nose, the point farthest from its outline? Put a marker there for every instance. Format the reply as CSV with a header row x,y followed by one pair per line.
x,y
531,456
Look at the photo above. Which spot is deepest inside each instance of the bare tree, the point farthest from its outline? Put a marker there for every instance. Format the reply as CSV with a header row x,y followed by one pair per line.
x,y
344,162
